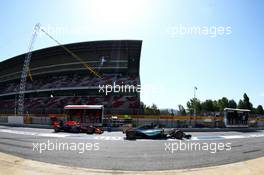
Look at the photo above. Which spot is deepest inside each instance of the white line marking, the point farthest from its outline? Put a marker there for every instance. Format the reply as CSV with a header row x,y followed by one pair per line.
x,y
119,138
33,133
108,138
243,136
227,137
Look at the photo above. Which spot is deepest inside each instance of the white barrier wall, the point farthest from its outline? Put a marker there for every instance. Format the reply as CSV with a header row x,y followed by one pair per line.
x,y
16,120
3,119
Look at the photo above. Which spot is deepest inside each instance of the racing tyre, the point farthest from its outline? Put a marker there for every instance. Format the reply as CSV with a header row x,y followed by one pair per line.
x,y
90,130
99,131
130,135
178,134
75,129
188,136
56,129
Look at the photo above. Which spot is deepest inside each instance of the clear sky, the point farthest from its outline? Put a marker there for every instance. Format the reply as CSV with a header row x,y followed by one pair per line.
x,y
172,62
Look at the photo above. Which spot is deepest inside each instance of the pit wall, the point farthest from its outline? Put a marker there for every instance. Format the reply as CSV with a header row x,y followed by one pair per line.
x,y
187,121
137,120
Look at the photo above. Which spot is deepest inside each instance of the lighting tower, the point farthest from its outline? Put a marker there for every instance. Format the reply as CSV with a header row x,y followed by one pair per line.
x,y
25,72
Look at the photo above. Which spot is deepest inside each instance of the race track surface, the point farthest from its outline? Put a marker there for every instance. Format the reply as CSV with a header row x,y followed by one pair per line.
x,y
110,151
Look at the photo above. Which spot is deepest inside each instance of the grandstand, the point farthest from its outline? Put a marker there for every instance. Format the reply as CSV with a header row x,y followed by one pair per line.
x,y
59,79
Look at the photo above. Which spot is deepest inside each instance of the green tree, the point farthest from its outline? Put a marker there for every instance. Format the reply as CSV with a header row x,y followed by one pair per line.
x,y
194,106
241,104
150,110
259,110
208,106
155,109
182,110
245,103
232,104
222,103
216,107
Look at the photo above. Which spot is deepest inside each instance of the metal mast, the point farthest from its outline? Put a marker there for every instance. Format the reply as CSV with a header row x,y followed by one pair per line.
x,y
25,72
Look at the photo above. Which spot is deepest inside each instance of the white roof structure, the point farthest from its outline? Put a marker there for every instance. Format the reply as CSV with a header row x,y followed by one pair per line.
x,y
234,109
83,107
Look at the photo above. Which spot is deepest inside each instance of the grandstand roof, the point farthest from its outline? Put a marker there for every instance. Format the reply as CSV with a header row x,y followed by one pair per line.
x,y
107,56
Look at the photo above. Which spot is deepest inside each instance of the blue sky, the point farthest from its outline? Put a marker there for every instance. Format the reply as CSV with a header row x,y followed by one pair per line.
x,y
171,63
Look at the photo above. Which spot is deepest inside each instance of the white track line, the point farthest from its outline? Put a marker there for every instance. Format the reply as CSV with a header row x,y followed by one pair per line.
x,y
119,138
33,133
108,138
227,137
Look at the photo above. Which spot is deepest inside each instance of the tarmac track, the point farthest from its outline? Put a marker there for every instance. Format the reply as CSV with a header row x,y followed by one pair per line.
x,y
110,151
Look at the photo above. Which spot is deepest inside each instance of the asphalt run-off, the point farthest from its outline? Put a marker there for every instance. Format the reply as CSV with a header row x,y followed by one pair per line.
x,y
111,151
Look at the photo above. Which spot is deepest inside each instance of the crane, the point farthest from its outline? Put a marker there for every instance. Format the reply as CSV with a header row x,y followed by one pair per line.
x,y
26,69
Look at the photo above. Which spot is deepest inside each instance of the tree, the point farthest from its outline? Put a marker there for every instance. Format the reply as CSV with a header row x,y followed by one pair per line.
x,y
241,104
208,106
245,103
152,110
194,106
155,109
222,103
190,107
142,107
216,107
232,104
182,110
259,110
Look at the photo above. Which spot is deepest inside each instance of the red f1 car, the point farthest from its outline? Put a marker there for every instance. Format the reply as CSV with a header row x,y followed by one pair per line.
x,y
75,127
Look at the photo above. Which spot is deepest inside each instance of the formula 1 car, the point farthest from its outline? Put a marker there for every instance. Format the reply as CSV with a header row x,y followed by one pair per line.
x,y
154,132
68,126
75,127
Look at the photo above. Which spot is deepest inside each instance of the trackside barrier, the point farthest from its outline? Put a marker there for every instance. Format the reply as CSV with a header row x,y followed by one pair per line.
x,y
15,120
167,121
3,119
188,121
